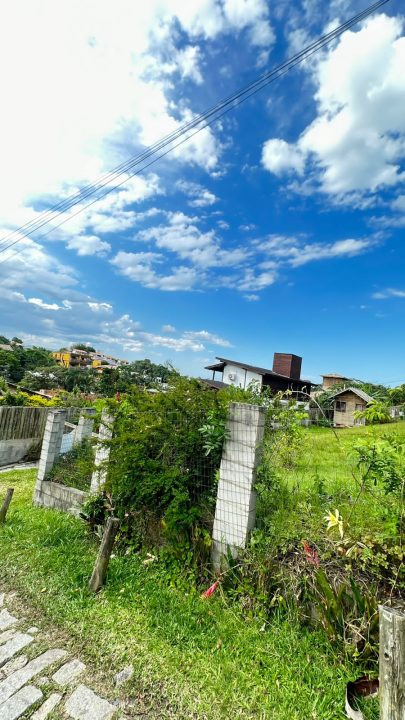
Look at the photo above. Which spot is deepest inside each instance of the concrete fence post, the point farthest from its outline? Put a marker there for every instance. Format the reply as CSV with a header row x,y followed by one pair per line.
x,y
84,427
102,451
55,425
235,512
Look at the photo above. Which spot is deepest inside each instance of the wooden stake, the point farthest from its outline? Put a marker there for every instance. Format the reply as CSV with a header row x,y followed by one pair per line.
x,y
103,557
6,505
392,664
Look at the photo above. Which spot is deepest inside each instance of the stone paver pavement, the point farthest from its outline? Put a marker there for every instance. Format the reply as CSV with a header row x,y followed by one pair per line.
x,y
21,678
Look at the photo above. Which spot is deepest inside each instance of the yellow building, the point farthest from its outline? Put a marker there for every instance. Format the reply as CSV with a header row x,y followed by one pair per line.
x,y
72,358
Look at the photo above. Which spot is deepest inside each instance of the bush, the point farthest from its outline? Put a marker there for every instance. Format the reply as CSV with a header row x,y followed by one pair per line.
x,y
165,452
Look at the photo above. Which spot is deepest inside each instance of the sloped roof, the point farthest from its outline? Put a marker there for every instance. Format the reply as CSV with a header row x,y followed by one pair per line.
x,y
360,393
253,368
335,375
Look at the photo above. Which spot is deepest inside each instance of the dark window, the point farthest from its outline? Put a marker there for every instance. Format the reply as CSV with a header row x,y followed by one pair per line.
x,y
340,406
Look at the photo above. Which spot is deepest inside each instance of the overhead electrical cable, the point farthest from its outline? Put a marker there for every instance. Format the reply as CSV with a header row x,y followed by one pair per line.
x,y
110,181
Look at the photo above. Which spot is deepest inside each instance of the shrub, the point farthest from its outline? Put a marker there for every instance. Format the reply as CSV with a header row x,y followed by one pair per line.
x,y
165,452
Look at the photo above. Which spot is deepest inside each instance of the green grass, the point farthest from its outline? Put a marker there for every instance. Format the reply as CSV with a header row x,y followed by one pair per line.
x,y
192,658
325,478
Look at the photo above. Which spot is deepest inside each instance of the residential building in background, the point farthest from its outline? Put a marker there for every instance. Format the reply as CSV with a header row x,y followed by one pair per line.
x,y
72,358
284,375
331,379
346,403
87,359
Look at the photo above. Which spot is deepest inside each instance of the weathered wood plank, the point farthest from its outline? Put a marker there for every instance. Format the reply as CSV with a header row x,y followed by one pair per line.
x,y
392,664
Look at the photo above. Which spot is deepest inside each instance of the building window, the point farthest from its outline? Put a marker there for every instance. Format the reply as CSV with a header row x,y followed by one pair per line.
x,y
359,407
340,406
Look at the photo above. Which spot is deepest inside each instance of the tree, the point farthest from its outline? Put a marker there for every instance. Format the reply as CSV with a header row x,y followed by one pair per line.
x,y
45,378
397,395
83,346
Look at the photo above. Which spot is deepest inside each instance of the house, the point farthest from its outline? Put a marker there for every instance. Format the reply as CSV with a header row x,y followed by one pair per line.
x,y
332,379
100,361
72,358
346,402
284,375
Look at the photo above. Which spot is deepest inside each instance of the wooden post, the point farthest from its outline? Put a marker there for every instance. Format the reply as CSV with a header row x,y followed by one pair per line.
x,y
392,664
6,505
103,557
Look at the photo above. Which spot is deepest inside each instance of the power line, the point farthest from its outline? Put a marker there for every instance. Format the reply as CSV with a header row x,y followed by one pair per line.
x,y
103,186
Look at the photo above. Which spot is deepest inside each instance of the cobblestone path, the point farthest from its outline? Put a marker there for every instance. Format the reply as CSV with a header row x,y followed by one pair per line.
x,y
42,684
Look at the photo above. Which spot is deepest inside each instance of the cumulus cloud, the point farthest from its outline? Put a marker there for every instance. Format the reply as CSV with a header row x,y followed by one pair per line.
x,y
139,267
89,245
356,143
279,156
199,195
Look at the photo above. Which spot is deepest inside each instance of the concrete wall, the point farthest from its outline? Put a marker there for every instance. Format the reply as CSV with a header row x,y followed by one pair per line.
x,y
53,495
21,428
13,451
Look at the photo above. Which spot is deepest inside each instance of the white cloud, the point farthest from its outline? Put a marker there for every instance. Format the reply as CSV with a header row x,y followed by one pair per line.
x,y
98,307
138,267
111,93
253,14
45,306
168,329
89,245
199,196
399,203
252,297
208,337
187,61
296,251
357,141
388,293
279,156
256,281
328,251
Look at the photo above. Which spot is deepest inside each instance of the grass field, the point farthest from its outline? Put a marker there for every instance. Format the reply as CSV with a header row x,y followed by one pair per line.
x,y
325,478
192,658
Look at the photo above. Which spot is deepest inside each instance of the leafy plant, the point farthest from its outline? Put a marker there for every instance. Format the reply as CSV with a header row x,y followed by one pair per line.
x,y
381,462
377,411
214,432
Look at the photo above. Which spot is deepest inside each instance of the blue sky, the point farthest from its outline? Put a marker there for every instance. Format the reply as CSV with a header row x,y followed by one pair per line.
x,y
278,229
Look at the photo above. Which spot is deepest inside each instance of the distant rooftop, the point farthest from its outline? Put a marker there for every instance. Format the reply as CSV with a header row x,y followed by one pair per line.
x,y
337,376
253,368
360,393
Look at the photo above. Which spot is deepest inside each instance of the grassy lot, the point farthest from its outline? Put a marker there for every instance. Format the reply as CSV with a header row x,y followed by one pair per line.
x,y
325,478
192,657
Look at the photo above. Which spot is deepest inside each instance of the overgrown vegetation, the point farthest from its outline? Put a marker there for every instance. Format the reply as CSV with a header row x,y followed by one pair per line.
x,y
162,474
74,468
